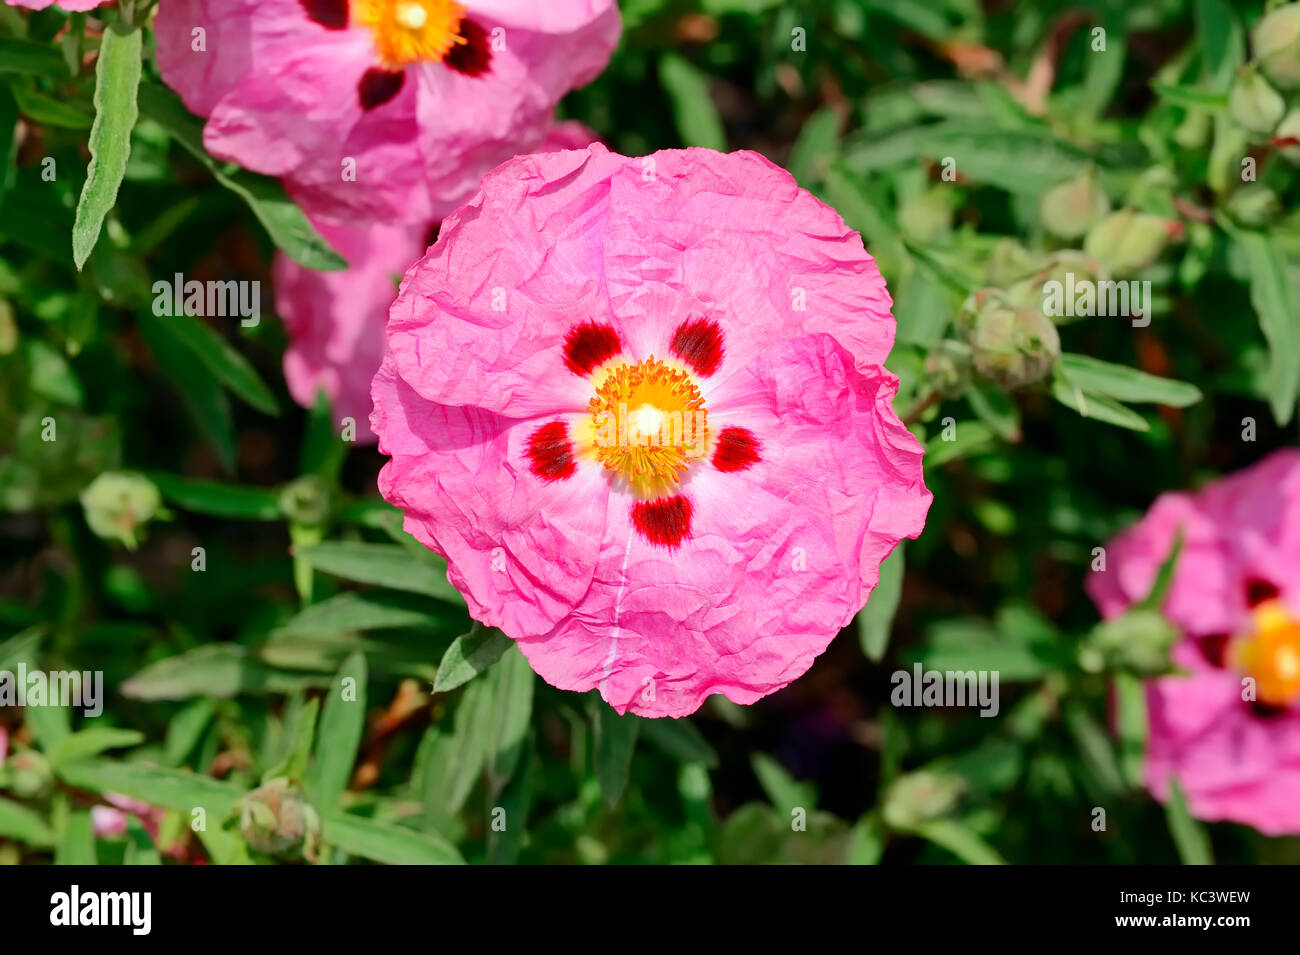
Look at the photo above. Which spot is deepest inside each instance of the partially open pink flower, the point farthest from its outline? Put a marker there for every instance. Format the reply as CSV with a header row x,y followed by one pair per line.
x,y
1229,728
390,110
335,320
639,405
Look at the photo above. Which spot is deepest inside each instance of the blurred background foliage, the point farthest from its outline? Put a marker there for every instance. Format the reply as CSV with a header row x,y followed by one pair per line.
x,y
978,147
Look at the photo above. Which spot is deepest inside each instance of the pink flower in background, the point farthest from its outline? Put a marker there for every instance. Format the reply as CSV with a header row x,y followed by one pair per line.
x,y
1236,597
335,320
387,110
4,746
584,305
72,6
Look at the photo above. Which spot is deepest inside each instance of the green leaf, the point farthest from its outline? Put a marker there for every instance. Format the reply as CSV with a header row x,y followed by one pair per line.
x,y
218,500
1276,299
48,111
1189,97
783,790
140,849
284,222
294,763
1123,383
698,122
1096,406
456,756
35,59
511,682
355,610
816,147
220,670
49,725
1164,576
229,367
186,729
615,741
469,655
117,77
876,619
391,844
1096,750
198,386
971,438
960,840
1223,40
866,841
679,739
505,842
92,742
76,845
21,824
8,135
1131,721
996,409
164,788
342,726
1190,838
387,565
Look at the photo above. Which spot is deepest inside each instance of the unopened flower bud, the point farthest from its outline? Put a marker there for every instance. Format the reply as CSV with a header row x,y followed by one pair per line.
x,y
1070,209
1287,137
1254,206
118,504
1012,345
1070,269
1253,104
276,820
948,368
1276,43
306,500
29,775
1009,262
926,217
920,796
1138,641
1127,241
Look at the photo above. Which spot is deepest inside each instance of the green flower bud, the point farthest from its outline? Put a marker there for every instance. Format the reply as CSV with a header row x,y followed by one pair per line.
x,y
1009,262
306,500
1070,268
1013,345
1138,642
1072,208
948,368
968,315
118,504
927,217
274,819
1127,241
918,797
29,775
1254,206
1254,105
1288,131
1276,42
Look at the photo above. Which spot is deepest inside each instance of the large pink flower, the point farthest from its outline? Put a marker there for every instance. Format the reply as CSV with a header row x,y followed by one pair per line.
x,y
1236,597
335,320
639,405
379,109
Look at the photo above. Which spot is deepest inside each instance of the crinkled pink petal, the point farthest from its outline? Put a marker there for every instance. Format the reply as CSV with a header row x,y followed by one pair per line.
x,y
72,6
781,553
1233,762
281,94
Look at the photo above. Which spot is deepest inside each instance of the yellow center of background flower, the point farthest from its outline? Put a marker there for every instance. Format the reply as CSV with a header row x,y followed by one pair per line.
x,y
1271,654
648,422
410,31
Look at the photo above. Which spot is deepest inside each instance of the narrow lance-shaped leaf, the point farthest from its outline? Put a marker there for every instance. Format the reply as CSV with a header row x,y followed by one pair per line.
x,y
342,724
117,78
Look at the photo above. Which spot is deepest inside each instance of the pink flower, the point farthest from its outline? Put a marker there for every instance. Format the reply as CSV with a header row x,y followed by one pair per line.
x,y
335,320
1236,597
379,109
4,746
584,303
72,6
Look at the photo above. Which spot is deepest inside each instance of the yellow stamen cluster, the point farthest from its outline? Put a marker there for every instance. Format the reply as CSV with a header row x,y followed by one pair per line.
x,y
410,31
649,423
1271,654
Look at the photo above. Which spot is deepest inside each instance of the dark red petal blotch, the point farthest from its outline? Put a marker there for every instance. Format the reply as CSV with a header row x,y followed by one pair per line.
x,y
698,342
550,452
474,56
331,14
378,86
1214,648
737,449
1259,590
666,521
588,345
